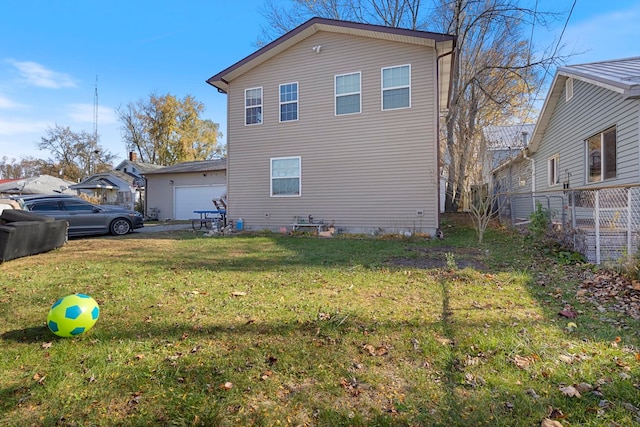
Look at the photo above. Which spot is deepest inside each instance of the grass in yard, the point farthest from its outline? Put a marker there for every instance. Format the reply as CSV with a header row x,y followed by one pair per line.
x,y
282,330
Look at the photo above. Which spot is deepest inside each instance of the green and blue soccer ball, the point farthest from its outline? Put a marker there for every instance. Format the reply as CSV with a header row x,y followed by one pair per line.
x,y
73,315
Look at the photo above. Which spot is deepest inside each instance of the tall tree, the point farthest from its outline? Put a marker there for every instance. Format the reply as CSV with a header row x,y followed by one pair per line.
x,y
25,168
165,130
494,75
74,155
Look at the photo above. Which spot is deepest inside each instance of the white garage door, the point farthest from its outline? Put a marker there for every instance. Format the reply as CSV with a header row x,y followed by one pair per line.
x,y
195,198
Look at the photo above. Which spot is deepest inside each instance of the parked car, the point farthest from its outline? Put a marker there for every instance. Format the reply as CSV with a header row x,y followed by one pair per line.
x,y
84,218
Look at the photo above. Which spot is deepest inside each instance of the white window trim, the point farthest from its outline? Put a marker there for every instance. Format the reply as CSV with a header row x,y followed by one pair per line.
x,y
602,156
568,86
335,94
555,180
261,105
382,88
271,177
297,102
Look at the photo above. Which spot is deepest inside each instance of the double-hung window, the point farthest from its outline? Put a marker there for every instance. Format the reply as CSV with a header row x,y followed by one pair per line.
x,y
288,102
552,170
348,94
601,156
253,106
286,176
396,87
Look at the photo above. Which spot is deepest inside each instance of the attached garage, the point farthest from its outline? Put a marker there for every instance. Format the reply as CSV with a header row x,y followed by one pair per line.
x,y
197,197
174,192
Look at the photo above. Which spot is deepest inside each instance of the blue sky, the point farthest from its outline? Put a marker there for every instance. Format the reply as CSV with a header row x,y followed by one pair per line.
x,y
51,52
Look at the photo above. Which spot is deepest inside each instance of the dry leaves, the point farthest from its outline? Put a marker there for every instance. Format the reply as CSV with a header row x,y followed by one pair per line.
x,y
375,351
523,362
570,391
611,289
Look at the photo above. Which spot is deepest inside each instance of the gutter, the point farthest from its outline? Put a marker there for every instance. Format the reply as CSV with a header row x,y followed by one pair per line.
x,y
533,175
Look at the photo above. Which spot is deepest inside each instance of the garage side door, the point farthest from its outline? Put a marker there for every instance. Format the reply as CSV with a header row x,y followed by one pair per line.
x,y
195,198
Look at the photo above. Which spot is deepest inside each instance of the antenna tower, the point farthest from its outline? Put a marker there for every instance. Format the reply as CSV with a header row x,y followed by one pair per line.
x,y
95,110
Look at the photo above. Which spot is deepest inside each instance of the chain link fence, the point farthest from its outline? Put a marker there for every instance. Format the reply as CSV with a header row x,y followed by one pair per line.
x,y
603,224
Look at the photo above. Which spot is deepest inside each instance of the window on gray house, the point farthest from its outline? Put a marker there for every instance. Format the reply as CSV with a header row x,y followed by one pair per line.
x,y
601,156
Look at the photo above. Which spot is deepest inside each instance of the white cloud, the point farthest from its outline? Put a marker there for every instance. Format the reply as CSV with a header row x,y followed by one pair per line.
x,y
40,76
83,113
8,104
17,127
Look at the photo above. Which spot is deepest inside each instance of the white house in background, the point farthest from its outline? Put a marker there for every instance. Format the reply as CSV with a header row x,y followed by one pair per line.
x,y
338,120
174,192
122,186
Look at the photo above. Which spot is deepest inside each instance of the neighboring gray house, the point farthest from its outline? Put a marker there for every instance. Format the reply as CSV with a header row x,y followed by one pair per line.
x,y
123,186
338,120
174,192
587,133
584,155
503,143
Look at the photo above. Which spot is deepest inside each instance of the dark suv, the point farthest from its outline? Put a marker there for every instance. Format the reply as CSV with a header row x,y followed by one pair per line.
x,y
83,217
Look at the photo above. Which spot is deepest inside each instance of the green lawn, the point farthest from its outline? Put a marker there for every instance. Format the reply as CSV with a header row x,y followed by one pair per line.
x,y
264,330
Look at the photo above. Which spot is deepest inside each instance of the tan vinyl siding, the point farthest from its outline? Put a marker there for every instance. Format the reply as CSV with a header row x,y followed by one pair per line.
x,y
366,171
591,110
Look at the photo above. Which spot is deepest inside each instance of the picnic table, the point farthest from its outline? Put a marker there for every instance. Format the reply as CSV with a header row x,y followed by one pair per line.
x,y
209,218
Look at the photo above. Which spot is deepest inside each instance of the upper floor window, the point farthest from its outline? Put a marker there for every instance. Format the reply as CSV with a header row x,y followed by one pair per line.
x,y
552,170
348,96
286,176
396,87
253,106
288,102
601,156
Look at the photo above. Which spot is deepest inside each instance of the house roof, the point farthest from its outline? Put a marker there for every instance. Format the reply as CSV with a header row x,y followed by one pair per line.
x,y
43,184
112,180
195,166
142,167
443,43
504,137
619,75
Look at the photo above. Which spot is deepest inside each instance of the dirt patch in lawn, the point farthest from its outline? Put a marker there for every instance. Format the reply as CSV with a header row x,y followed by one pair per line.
x,y
436,257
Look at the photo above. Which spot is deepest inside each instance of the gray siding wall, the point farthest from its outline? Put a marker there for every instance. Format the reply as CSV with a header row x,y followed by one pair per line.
x,y
591,110
160,189
366,171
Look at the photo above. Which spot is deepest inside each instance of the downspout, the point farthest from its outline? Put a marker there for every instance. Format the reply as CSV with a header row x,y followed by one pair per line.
x,y
438,171
533,177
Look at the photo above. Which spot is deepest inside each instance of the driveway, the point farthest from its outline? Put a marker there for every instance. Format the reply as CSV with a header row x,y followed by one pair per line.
x,y
157,227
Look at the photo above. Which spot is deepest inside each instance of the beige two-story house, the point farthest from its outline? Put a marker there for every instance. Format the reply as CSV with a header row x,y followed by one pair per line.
x,y
339,121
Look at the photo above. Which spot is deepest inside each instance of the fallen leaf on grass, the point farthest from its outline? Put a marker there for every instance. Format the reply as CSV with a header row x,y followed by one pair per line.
x,y
265,375
523,362
238,294
39,378
584,387
556,414
375,351
568,313
140,356
226,386
570,391
46,345
550,423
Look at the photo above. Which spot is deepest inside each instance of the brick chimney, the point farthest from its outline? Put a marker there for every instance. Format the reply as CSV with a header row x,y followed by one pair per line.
x,y
133,157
